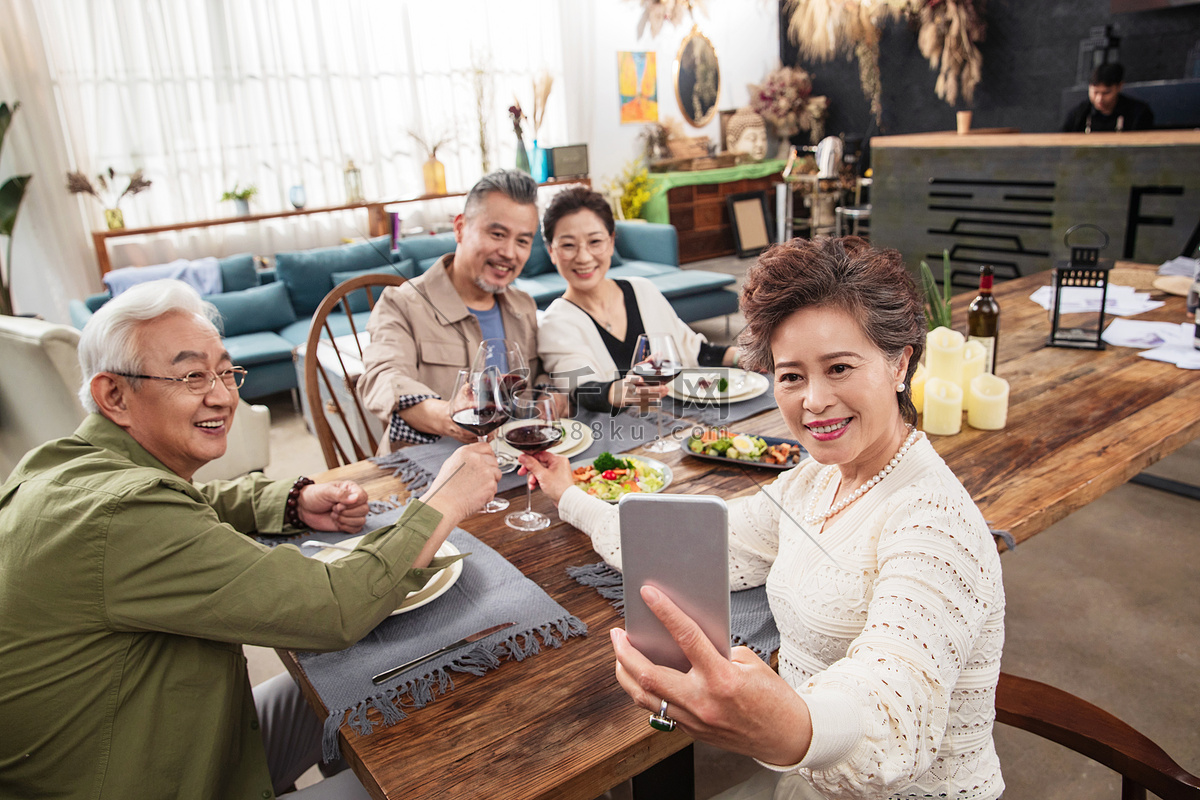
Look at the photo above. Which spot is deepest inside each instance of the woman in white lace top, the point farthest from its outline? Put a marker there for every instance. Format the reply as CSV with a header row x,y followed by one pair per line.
x,y
890,644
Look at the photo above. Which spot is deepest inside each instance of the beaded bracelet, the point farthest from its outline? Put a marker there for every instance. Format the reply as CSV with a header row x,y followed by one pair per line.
x,y
291,511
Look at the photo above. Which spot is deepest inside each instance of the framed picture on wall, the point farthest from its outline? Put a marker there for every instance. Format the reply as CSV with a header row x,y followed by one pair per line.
x,y
637,81
749,216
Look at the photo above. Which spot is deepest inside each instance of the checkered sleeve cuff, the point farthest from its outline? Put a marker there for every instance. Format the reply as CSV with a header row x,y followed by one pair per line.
x,y
401,431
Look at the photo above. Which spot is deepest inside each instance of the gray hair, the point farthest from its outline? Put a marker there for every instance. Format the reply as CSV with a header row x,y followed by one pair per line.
x,y
107,343
512,183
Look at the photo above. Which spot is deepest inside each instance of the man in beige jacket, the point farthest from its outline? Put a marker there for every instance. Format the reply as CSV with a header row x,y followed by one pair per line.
x,y
424,332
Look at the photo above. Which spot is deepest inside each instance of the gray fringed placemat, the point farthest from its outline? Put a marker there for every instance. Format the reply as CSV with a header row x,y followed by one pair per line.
x,y
490,591
750,620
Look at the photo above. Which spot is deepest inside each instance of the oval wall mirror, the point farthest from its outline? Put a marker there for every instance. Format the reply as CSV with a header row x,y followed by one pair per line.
x,y
697,78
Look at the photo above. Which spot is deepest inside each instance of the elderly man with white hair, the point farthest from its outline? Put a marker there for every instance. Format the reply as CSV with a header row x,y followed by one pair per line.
x,y
127,591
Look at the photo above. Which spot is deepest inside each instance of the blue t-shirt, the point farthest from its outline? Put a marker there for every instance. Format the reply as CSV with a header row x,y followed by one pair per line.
x,y
492,327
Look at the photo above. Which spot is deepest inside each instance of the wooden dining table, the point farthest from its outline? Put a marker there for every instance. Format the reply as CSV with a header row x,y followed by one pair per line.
x,y
557,725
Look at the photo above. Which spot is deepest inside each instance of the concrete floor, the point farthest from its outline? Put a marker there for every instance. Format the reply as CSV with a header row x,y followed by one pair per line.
x,y
1105,604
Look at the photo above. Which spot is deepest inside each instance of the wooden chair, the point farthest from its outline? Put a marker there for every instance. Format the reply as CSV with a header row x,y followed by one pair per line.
x,y
1075,723
332,365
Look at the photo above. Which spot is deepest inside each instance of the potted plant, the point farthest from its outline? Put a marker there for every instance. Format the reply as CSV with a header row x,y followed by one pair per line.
x,y
78,183
11,194
241,198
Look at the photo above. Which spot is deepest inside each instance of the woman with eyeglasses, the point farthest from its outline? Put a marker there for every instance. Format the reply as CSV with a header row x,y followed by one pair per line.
x,y
587,337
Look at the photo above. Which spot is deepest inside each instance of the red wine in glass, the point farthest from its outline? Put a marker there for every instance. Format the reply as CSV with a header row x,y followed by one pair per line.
x,y
663,372
482,421
533,438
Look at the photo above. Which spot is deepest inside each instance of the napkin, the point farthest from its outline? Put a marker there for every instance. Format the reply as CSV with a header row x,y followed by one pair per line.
x,y
489,591
1170,342
1180,265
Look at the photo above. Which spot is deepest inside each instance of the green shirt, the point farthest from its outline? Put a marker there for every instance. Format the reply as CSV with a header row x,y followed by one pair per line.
x,y
126,593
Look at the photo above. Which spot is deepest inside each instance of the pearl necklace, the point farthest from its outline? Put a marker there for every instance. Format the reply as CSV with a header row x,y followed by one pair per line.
x,y
811,517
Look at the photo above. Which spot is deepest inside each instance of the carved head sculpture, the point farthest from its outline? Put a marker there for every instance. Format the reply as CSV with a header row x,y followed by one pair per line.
x,y
746,133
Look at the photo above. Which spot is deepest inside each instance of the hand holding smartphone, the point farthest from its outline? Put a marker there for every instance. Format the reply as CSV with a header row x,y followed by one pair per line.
x,y
678,544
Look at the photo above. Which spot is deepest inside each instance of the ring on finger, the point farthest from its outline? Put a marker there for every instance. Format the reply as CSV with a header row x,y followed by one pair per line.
x,y
660,721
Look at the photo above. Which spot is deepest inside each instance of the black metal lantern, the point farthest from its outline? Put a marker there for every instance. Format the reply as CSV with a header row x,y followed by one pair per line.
x,y
1085,269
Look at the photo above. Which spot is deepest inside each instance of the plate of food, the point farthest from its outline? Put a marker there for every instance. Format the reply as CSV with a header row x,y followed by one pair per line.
x,y
724,385
771,452
431,591
577,437
610,477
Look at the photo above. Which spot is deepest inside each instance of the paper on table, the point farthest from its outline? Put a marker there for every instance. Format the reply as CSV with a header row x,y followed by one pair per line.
x,y
1183,356
1180,265
1143,334
1122,301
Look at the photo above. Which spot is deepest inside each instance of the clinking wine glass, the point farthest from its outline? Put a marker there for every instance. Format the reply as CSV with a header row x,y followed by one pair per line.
x,y
506,357
656,361
534,427
477,405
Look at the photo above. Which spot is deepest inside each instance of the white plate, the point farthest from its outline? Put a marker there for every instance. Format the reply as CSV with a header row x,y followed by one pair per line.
x,y
577,437
432,590
743,385
649,462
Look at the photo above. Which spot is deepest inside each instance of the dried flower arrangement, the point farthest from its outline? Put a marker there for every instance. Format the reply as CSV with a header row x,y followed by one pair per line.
x,y
948,35
785,100
430,149
541,93
517,116
655,13
653,138
78,183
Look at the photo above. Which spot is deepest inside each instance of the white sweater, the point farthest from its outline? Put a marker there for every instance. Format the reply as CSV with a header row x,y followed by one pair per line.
x,y
896,646
569,344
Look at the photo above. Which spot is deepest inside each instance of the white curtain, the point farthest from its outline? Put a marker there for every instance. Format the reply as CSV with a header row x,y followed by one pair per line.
x,y
203,94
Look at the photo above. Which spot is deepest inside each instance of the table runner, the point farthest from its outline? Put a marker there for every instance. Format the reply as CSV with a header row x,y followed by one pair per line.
x,y
489,591
750,621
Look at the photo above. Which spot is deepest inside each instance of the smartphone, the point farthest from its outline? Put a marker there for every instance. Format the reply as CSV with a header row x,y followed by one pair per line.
x,y
678,544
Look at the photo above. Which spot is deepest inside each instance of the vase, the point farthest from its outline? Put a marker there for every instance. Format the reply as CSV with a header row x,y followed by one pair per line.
x,y
115,218
522,155
541,164
242,206
297,196
435,176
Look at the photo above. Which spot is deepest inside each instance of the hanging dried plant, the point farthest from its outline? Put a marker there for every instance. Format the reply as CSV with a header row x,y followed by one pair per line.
x,y
949,32
825,28
656,13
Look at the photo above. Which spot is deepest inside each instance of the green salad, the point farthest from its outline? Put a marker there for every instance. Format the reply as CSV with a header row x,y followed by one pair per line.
x,y
609,477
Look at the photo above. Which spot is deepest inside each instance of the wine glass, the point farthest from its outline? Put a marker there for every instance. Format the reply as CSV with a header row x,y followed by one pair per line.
x,y
534,428
477,405
505,356
656,361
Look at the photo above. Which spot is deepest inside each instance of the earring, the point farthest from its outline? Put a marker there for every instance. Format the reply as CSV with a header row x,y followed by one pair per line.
x,y
900,387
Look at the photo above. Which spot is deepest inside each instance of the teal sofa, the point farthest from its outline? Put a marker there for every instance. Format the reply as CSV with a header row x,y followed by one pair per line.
x,y
266,313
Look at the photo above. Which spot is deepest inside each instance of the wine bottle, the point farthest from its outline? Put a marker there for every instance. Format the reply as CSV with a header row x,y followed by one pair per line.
x,y
983,319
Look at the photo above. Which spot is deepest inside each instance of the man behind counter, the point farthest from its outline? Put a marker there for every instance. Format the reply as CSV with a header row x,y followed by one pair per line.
x,y
1106,109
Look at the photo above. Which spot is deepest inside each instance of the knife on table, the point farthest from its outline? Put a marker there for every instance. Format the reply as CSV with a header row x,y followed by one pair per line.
x,y
474,637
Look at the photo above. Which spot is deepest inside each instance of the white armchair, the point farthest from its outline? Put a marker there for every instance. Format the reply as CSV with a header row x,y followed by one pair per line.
x,y
39,379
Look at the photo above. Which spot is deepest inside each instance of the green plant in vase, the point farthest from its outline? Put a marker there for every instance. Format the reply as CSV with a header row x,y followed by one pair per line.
x,y
937,301
11,193
240,197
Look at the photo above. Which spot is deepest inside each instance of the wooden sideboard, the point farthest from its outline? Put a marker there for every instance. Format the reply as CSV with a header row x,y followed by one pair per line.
x,y
700,214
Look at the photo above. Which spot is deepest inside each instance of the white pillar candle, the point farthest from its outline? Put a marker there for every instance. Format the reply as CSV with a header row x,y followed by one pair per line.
x,y
943,407
944,355
987,402
974,363
918,387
